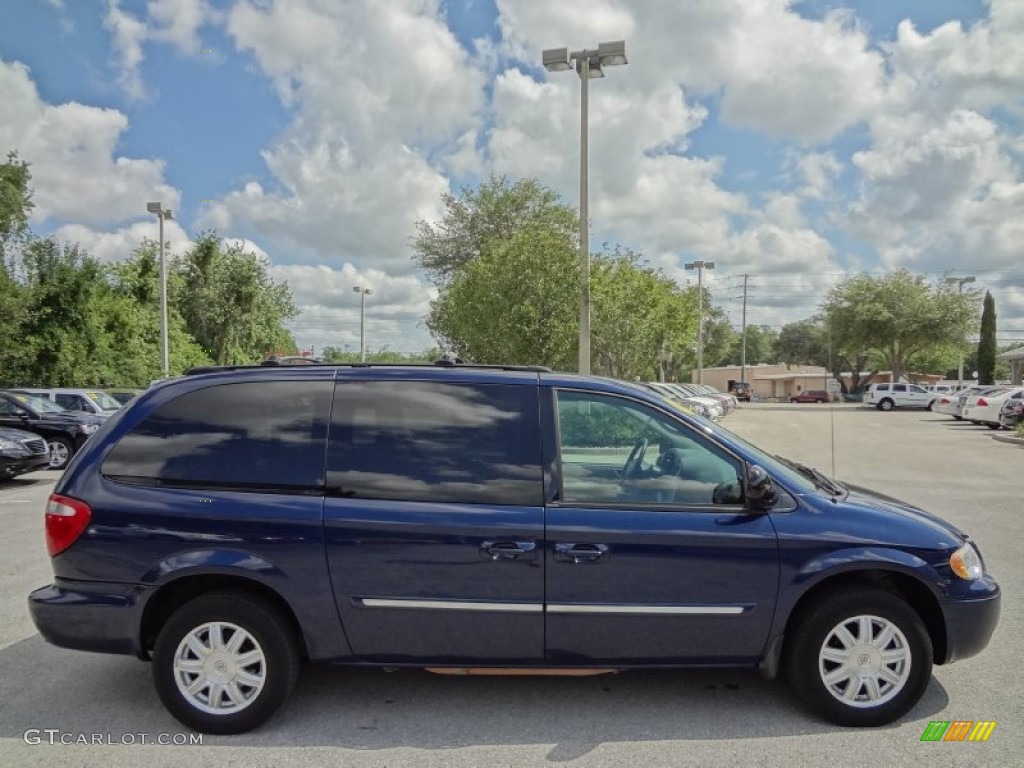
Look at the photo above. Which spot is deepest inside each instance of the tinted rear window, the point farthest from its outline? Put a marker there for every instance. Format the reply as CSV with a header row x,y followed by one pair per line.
x,y
433,441
250,436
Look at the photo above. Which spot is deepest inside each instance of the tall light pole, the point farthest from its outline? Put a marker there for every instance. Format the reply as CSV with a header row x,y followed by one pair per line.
x,y
589,63
700,266
364,292
960,281
162,213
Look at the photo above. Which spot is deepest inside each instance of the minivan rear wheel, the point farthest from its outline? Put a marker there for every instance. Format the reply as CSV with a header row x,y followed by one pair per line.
x,y
860,657
886,405
224,663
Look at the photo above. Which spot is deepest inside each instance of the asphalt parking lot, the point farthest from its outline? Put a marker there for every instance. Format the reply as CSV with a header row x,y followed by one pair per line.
x,y
373,717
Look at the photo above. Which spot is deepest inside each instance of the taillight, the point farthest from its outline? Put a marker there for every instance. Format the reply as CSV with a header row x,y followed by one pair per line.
x,y
982,402
66,519
944,401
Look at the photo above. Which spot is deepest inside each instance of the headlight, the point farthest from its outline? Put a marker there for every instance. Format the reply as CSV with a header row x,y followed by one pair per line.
x,y
12,448
88,429
966,563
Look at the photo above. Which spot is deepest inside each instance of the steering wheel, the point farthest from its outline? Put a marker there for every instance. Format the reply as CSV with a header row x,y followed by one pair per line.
x,y
635,457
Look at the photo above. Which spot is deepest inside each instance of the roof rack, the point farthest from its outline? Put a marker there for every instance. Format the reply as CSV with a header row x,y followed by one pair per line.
x,y
443,363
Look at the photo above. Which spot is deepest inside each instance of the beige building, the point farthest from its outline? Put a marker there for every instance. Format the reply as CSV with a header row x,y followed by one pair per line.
x,y
1016,358
770,381
783,381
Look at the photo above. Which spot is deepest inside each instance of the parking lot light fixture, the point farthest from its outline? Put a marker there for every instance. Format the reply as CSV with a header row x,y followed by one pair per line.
x,y
960,281
364,292
162,214
588,63
700,266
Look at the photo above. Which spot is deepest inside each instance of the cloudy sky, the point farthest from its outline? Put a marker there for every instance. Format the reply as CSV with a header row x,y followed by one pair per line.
x,y
792,140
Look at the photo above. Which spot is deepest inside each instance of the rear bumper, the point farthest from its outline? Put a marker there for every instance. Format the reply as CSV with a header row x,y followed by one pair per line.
x,y
969,625
89,616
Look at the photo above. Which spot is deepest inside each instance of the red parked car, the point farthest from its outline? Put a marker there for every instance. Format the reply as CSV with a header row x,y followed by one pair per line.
x,y
810,396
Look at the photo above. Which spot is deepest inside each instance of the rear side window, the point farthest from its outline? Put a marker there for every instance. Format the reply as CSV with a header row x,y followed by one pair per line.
x,y
881,387
267,436
434,441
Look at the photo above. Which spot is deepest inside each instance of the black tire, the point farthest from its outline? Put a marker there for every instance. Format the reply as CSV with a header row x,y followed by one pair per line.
x,y
993,426
266,627
806,641
886,405
65,449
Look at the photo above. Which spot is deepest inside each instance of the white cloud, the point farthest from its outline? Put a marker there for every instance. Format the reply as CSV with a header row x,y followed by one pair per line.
x,y
128,35
776,71
76,173
330,308
935,193
172,21
818,171
385,98
117,245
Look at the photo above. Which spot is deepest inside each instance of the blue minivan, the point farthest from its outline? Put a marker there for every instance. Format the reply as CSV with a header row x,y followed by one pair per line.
x,y
230,524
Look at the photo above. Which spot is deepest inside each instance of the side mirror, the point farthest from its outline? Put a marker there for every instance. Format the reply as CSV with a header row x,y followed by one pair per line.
x,y
760,489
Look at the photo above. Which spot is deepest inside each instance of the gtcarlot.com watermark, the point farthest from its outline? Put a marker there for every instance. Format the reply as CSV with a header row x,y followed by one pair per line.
x,y
68,738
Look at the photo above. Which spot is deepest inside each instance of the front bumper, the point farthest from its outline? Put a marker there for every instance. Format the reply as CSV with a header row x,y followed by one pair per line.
x,y
89,616
14,467
970,624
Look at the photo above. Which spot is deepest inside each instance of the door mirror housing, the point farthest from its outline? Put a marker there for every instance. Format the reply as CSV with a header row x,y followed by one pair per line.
x,y
760,488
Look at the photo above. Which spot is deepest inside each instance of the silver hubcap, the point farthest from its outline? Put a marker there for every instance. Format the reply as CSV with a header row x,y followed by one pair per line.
x,y
864,661
220,668
58,454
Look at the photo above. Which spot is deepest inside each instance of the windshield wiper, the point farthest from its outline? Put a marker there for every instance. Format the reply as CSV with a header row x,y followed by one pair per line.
x,y
824,481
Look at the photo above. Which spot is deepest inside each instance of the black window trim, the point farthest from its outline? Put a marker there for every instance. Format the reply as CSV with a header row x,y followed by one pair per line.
x,y
559,501
141,481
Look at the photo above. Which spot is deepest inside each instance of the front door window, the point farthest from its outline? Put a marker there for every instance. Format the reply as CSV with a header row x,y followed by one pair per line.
x,y
617,451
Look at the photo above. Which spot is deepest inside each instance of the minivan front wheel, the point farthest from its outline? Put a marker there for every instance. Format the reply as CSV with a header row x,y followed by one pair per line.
x,y
860,657
224,663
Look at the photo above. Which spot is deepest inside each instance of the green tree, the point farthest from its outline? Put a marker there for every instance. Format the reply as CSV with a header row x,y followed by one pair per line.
x,y
60,329
14,354
810,342
760,346
15,201
133,317
516,303
804,342
230,303
896,316
639,317
987,342
496,211
350,354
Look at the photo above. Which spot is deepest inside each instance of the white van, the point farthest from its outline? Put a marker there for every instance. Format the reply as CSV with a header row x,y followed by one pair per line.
x,y
889,395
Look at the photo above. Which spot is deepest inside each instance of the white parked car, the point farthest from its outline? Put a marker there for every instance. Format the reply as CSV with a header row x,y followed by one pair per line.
x,y
946,404
983,408
967,394
888,395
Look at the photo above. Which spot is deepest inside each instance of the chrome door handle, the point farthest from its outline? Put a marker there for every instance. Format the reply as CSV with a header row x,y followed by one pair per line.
x,y
580,553
507,550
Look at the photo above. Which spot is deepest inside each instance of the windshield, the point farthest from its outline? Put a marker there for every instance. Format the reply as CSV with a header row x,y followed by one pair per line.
x,y
39,404
103,400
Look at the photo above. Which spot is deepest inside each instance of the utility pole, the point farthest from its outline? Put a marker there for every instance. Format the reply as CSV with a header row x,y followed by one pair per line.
x,y
700,266
743,343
